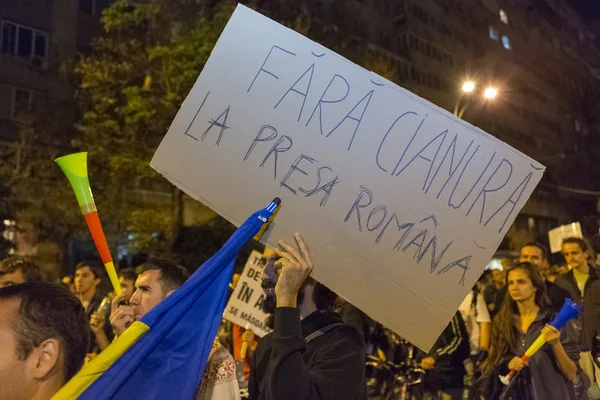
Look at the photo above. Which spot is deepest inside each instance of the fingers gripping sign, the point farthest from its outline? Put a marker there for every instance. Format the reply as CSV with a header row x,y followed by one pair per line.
x,y
296,265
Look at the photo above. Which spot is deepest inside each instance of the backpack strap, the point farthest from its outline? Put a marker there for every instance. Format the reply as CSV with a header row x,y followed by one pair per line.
x,y
322,331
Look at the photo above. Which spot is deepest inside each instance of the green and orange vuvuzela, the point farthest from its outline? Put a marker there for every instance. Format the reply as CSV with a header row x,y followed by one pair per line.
x,y
75,168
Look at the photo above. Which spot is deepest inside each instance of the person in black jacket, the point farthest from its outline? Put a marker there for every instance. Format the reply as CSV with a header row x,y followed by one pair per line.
x,y
550,372
317,357
87,280
445,362
583,284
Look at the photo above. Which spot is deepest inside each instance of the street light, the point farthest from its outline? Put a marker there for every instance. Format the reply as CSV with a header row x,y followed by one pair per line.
x,y
490,93
468,86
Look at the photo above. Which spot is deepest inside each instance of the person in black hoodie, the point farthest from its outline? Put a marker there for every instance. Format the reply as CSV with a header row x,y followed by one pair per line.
x,y
310,354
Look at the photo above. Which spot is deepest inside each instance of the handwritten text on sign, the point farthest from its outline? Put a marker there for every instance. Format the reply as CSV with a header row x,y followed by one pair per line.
x,y
401,203
245,304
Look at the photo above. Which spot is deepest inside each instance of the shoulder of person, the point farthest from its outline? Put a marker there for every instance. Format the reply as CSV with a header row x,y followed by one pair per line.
x,y
595,272
266,338
220,368
563,279
346,334
263,344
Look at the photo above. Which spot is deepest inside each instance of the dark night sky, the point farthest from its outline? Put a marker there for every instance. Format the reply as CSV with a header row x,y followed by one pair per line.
x,y
589,9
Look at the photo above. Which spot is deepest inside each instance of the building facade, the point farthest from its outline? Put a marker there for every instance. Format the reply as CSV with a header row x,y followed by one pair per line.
x,y
39,41
539,56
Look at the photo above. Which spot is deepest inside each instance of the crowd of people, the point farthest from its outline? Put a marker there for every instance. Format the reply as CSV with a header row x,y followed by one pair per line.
x,y
319,345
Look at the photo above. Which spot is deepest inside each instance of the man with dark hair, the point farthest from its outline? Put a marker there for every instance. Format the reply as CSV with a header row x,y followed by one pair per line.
x,y
494,293
583,284
15,270
127,277
87,279
537,254
43,340
311,353
156,280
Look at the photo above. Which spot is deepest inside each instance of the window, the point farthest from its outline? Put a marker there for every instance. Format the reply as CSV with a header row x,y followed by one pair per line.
x,y
21,102
24,41
506,42
493,33
503,16
384,40
414,74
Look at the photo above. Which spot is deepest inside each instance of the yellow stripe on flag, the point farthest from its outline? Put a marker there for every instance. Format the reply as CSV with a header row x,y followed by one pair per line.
x,y
92,371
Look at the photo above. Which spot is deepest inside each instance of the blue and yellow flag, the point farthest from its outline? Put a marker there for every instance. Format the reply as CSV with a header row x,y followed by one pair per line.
x,y
163,355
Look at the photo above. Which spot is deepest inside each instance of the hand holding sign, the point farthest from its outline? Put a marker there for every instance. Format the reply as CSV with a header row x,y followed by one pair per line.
x,y
296,265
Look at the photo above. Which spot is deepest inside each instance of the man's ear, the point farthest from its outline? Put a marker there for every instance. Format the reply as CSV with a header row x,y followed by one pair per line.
x,y
97,281
44,360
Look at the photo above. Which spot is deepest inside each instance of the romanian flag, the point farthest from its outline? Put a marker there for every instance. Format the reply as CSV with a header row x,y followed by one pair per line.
x,y
163,355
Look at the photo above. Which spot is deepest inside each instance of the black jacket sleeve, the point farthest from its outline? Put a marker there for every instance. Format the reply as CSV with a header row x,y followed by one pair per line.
x,y
450,341
338,373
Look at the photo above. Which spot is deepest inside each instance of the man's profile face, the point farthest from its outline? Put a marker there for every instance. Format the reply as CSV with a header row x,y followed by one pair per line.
x,y
148,293
535,256
14,278
128,287
85,280
14,382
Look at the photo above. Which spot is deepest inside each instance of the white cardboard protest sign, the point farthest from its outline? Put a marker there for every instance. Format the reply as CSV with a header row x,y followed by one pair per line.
x,y
557,235
244,307
401,203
